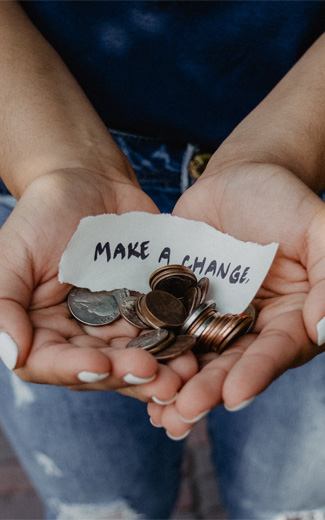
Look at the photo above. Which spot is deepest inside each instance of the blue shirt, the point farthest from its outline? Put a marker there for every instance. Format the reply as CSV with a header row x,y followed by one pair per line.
x,y
182,70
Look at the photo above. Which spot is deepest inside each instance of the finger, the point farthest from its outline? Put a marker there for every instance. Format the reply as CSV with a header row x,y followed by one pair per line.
x,y
185,366
15,294
204,391
162,390
55,361
155,412
176,429
314,308
281,345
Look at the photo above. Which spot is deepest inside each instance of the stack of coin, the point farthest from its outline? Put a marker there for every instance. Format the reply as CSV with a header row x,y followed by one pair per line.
x,y
212,330
173,279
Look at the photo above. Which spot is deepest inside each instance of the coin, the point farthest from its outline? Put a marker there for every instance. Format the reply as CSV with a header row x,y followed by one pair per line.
x,y
210,304
180,346
120,294
250,311
174,279
127,310
162,309
192,299
149,340
203,284
93,308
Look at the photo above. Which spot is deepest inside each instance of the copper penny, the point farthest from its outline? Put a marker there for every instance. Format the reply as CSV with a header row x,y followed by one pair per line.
x,y
163,309
180,346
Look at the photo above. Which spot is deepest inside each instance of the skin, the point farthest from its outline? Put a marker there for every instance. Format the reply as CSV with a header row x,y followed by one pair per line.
x,y
258,186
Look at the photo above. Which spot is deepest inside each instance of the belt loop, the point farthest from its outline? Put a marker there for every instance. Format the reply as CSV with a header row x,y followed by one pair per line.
x,y
190,150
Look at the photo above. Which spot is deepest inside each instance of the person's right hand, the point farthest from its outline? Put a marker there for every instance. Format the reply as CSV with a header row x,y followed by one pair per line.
x,y
39,338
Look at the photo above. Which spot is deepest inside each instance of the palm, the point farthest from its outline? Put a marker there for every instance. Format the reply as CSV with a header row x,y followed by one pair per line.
x,y
54,348
262,203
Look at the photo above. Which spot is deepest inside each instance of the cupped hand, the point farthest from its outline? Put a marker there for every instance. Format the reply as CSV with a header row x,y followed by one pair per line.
x,y
39,338
262,203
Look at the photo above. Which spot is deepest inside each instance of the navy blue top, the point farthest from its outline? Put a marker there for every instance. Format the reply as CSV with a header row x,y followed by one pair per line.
x,y
182,70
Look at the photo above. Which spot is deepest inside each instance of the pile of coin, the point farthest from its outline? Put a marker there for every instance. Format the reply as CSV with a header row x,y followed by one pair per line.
x,y
175,311
215,331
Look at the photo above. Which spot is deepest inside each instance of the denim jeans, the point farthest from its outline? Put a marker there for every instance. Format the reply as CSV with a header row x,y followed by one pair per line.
x,y
95,455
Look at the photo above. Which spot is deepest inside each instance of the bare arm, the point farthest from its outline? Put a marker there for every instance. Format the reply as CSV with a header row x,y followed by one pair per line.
x,y
47,123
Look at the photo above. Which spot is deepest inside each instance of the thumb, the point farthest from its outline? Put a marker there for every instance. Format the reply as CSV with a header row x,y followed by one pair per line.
x,y
314,308
16,282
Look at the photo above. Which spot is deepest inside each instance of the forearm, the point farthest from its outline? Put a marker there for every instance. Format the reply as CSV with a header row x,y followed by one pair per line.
x,y
47,123
288,127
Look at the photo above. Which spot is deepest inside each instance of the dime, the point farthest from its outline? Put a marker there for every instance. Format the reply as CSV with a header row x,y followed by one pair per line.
x,y
93,308
180,346
149,340
128,311
163,344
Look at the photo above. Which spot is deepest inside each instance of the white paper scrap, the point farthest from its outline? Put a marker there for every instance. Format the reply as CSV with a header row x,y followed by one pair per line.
x,y
114,251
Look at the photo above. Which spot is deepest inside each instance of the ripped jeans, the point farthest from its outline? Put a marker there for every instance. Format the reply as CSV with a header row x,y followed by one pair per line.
x,y
96,456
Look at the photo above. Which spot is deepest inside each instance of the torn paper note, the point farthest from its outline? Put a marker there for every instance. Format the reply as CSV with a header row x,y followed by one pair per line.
x,y
114,251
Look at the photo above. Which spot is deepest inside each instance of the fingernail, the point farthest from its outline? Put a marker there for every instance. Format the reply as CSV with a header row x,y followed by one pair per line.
x,y
196,419
158,401
134,380
180,438
155,425
321,332
91,377
8,350
239,406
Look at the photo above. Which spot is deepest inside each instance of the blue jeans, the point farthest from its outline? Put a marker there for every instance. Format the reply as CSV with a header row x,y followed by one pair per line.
x,y
95,455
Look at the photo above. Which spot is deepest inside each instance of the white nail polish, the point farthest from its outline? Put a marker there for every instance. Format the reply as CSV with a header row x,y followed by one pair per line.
x,y
239,406
196,419
8,350
321,332
158,401
180,438
155,425
134,380
91,377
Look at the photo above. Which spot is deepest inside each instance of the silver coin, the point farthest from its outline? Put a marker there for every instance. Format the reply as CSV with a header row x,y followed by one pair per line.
x,y
149,340
128,312
209,304
120,294
93,308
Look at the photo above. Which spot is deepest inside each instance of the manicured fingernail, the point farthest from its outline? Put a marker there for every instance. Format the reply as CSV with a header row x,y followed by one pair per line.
x,y
158,401
8,350
155,425
239,406
196,419
91,377
134,380
180,438
321,332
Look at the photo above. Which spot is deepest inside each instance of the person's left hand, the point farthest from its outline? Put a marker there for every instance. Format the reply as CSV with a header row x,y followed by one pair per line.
x,y
261,203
